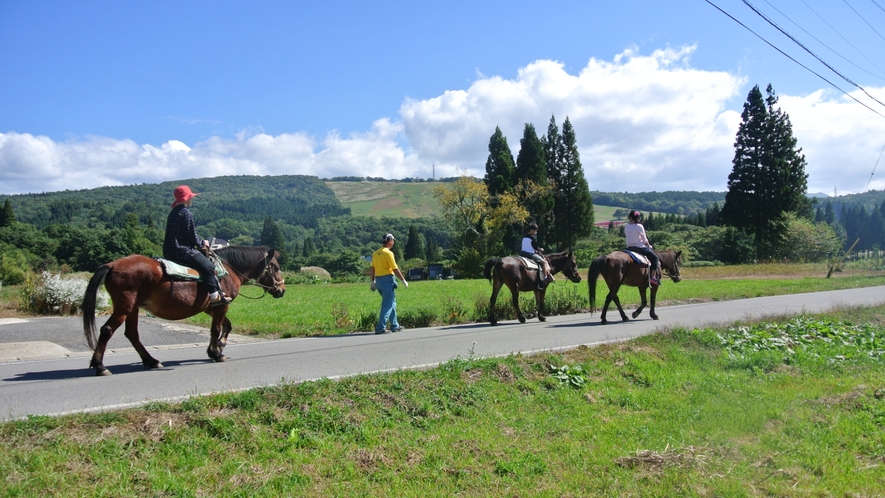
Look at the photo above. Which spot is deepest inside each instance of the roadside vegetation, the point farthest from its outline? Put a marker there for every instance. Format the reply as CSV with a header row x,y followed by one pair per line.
x,y
788,407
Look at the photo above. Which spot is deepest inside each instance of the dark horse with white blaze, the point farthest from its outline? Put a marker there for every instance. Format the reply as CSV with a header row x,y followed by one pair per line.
x,y
618,268
513,272
139,282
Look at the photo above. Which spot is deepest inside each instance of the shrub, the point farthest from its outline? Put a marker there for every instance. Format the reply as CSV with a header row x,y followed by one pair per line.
x,y
52,294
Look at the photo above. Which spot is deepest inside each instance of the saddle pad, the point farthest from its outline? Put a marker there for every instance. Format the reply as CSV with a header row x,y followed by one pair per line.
x,y
640,259
182,272
531,264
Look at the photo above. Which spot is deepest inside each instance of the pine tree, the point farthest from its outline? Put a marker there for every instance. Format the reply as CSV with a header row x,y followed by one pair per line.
x,y
271,236
573,208
499,165
768,176
531,165
309,248
7,216
414,245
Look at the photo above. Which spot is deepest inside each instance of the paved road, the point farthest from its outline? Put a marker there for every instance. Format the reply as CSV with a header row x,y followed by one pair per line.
x,y
64,384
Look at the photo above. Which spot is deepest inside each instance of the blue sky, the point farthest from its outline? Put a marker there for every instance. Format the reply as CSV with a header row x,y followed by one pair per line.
x,y
115,93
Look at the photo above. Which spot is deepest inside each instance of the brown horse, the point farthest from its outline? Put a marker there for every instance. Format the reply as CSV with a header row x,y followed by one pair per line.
x,y
512,272
618,269
139,282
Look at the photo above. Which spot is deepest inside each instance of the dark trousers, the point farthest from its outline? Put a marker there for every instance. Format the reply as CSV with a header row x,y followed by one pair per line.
x,y
653,259
203,266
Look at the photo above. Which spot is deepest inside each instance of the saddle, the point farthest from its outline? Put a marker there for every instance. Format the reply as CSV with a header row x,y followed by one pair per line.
x,y
180,272
640,259
531,264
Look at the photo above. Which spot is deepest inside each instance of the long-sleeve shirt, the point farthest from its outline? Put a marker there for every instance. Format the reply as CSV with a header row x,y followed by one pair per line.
x,y
181,233
636,237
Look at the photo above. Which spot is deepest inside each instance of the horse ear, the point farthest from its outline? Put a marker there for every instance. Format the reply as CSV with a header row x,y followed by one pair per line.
x,y
678,253
271,253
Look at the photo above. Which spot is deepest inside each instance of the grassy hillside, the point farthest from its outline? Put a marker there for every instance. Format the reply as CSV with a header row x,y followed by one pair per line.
x,y
387,199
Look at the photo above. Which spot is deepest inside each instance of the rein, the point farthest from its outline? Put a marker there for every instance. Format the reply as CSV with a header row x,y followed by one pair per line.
x,y
249,281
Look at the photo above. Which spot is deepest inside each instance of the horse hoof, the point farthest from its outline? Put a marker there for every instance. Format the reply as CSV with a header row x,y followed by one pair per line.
x,y
522,319
493,322
219,359
654,317
104,372
151,366
542,318
635,314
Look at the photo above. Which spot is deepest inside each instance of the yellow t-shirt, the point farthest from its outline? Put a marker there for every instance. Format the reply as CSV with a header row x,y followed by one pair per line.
x,y
383,262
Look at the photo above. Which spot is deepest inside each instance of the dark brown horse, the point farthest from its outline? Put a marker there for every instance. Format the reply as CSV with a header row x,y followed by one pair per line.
x,y
512,272
618,268
139,282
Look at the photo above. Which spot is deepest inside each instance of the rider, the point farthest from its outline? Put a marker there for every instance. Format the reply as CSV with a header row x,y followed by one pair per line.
x,y
531,250
637,241
182,242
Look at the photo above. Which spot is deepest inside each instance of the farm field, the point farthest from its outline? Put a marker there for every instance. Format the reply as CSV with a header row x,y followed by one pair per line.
x,y
410,200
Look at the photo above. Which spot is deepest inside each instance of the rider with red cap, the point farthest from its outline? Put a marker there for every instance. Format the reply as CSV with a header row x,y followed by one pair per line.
x,y
182,244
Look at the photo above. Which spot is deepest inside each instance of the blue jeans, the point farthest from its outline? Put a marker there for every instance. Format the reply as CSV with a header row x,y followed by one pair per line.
x,y
386,286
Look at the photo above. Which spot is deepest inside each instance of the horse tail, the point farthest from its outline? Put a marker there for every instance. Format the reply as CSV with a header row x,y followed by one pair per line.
x,y
89,300
595,269
490,265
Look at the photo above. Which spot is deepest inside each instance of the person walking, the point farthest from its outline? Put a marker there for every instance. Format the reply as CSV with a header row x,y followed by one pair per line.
x,y
382,271
182,244
637,241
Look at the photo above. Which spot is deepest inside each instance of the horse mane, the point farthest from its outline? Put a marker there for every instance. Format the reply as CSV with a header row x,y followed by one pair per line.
x,y
242,257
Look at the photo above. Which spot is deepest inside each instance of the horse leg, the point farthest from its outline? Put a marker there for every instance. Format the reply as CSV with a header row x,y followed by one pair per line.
x,y
496,287
617,302
132,334
643,302
651,309
105,334
215,342
539,302
514,293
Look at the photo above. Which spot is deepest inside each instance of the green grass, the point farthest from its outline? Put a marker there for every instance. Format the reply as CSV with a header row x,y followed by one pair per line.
x,y
328,309
684,413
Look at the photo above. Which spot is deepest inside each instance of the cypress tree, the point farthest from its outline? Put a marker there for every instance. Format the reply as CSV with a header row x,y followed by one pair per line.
x,y
272,236
768,175
573,209
7,216
532,165
499,165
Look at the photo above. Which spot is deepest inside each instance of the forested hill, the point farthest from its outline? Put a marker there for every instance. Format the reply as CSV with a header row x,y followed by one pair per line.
x,y
676,202
294,199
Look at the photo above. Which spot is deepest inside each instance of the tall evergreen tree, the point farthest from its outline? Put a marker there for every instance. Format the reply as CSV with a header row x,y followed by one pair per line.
x,y
7,216
414,245
768,175
272,236
531,165
573,208
499,165
309,248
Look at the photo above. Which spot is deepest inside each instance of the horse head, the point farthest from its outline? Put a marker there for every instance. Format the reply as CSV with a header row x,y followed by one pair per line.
x,y
567,264
672,263
271,278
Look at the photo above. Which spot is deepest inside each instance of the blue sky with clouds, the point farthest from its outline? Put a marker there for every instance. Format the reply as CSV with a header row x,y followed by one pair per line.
x,y
115,93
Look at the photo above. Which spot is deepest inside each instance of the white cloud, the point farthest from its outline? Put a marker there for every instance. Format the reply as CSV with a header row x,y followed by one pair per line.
x,y
642,122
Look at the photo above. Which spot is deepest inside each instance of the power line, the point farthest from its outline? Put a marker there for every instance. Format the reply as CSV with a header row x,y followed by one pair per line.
x,y
788,35
827,46
822,18
874,169
794,60
864,20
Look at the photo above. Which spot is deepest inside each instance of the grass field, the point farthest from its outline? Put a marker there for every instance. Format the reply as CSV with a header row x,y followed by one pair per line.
x,y
782,408
327,309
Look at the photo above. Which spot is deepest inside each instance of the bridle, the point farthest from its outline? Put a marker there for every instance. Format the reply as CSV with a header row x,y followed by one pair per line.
x,y
255,280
